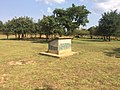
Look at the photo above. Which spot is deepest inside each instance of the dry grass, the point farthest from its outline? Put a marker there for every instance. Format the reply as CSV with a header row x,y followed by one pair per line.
x,y
94,68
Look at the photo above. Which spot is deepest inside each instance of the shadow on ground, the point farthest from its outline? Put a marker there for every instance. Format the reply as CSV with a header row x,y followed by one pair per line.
x,y
114,53
9,39
84,41
40,41
33,40
93,40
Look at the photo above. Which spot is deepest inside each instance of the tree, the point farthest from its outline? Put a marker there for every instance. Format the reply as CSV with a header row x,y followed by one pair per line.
x,y
35,30
1,26
7,28
72,17
39,28
80,32
48,25
93,31
109,23
117,32
22,26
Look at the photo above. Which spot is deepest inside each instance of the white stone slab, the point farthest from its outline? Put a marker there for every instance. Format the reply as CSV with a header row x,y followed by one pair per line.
x,y
57,55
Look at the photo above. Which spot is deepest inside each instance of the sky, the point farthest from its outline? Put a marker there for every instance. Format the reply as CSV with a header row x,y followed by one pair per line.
x,y
37,8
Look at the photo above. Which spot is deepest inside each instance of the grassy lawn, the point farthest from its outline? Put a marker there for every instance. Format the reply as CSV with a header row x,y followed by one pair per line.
x,y
96,67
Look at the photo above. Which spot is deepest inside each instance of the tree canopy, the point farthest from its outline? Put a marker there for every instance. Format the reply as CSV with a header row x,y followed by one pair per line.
x,y
109,23
1,26
72,17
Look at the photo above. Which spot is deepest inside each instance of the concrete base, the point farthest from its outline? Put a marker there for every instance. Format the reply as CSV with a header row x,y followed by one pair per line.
x,y
58,56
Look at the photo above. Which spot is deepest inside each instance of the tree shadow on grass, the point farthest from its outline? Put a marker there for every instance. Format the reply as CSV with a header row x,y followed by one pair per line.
x,y
9,39
114,53
40,41
33,40
93,40
84,41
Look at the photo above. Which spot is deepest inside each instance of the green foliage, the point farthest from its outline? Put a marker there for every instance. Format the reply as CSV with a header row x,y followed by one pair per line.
x,y
117,32
109,23
63,22
93,31
81,32
39,28
7,28
22,26
72,17
1,26
48,24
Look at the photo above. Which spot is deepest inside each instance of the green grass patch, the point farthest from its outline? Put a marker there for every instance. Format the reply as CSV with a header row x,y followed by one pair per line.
x,y
96,67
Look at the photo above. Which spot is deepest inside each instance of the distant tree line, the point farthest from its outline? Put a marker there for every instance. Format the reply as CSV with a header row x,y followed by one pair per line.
x,y
63,22
109,25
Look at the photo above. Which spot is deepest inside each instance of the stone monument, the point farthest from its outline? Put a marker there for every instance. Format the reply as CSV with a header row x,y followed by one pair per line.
x,y
59,47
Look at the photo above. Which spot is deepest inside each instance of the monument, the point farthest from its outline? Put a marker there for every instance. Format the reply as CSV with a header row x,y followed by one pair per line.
x,y
59,47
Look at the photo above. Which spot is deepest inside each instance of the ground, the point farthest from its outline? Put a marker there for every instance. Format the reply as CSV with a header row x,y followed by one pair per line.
x,y
96,67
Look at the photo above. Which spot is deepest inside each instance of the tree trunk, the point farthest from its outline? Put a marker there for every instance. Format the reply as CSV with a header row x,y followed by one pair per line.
x,y
35,35
31,36
104,38
91,37
7,37
60,35
109,38
18,36
15,35
47,37
40,35
25,35
22,35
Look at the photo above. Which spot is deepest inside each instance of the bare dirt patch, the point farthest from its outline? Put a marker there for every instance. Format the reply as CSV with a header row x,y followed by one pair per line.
x,y
3,78
21,62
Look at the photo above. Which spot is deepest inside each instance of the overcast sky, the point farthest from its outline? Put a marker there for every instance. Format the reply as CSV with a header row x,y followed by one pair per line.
x,y
38,8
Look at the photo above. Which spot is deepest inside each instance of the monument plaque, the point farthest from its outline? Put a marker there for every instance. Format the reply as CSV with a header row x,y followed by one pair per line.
x,y
59,47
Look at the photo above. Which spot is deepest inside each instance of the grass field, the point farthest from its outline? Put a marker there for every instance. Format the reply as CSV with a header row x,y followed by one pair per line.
x,y
96,67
